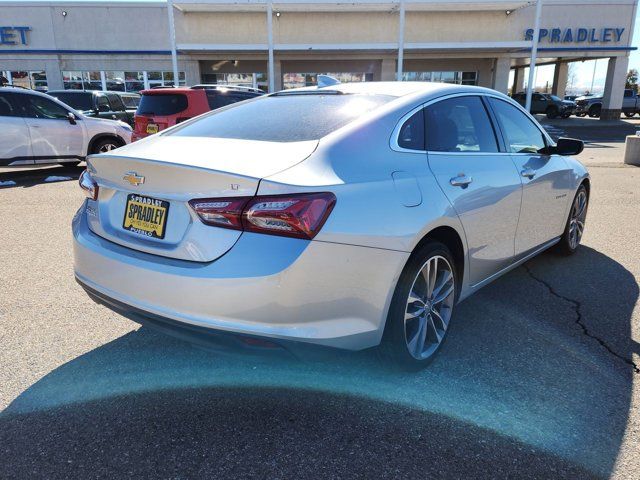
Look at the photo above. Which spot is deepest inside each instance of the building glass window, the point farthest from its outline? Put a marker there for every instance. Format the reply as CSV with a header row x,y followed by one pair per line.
x,y
117,80
297,80
255,80
34,79
460,78
164,79
77,80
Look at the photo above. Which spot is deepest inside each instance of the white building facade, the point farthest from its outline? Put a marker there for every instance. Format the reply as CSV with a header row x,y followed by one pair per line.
x,y
284,44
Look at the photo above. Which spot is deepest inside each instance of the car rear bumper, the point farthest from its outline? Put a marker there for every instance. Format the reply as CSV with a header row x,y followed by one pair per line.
x,y
318,292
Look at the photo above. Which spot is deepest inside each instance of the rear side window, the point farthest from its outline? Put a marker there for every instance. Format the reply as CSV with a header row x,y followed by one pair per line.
x,y
9,105
411,134
116,102
459,124
130,101
219,99
103,103
162,104
287,117
522,135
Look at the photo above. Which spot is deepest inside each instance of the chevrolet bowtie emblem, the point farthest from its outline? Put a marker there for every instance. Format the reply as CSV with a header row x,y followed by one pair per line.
x,y
133,178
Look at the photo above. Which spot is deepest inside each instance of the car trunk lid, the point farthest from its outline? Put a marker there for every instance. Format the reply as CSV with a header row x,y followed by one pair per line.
x,y
152,181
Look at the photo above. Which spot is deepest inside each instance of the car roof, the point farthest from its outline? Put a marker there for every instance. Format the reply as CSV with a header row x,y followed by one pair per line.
x,y
398,89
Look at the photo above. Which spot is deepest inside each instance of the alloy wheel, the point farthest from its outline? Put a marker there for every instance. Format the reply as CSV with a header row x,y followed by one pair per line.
x,y
578,216
429,307
107,147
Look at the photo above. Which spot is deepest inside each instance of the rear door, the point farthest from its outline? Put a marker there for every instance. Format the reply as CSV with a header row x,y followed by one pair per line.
x,y
547,179
480,181
117,107
53,137
15,142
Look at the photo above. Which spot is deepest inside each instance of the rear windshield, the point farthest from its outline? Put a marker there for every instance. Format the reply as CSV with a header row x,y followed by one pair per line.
x,y
162,104
77,100
284,117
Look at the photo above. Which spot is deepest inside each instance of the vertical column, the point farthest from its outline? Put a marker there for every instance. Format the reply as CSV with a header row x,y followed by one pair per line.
x,y
614,88
518,80
271,67
387,70
560,76
54,75
172,39
103,80
400,42
501,74
277,72
145,80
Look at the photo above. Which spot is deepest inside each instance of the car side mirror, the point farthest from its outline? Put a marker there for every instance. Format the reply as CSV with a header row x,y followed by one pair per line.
x,y
72,118
567,146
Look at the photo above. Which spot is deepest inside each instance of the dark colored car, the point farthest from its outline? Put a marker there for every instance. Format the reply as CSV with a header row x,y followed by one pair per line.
x,y
97,103
551,105
162,108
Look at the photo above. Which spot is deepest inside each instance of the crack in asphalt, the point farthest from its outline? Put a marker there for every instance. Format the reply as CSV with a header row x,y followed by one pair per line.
x,y
576,305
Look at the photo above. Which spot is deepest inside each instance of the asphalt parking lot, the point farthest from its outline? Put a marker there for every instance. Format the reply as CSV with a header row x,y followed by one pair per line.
x,y
539,377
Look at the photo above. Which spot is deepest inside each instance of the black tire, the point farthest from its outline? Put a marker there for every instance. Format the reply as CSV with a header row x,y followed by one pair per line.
x,y
629,114
581,115
552,112
595,110
566,115
394,348
106,144
565,246
69,164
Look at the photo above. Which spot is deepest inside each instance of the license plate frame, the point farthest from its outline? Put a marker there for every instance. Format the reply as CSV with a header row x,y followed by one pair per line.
x,y
152,128
147,226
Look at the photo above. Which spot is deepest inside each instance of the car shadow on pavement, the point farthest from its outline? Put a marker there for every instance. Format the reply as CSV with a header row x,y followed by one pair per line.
x,y
31,177
534,381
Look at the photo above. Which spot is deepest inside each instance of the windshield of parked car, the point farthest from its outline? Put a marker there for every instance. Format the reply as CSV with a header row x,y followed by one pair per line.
x,y
162,104
77,100
285,117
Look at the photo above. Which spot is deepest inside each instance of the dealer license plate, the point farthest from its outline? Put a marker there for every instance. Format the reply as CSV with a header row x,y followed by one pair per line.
x,y
145,215
152,128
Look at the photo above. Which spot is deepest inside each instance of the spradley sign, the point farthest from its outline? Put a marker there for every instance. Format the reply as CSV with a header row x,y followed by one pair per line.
x,y
13,35
577,35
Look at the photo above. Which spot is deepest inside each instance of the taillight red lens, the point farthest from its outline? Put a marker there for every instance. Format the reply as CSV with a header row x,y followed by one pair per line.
x,y
300,215
221,212
88,185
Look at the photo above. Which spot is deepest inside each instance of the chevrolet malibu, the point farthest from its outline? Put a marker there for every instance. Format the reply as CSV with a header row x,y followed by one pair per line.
x,y
351,215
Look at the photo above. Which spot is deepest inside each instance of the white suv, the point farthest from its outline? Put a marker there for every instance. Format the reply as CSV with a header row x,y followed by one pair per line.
x,y
38,129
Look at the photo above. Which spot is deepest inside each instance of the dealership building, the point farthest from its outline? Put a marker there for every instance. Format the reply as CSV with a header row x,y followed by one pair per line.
x,y
285,44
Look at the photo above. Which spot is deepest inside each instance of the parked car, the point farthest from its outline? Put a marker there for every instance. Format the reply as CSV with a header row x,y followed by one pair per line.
x,y
96,103
161,108
571,98
551,105
351,215
592,104
36,128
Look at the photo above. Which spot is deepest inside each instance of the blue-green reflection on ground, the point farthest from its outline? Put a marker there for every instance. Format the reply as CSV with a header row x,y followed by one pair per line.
x,y
517,365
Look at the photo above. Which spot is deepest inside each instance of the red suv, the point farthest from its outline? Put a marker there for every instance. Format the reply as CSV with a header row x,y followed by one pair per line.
x,y
162,108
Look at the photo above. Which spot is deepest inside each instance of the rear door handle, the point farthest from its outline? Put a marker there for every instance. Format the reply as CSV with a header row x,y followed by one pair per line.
x,y
528,173
461,181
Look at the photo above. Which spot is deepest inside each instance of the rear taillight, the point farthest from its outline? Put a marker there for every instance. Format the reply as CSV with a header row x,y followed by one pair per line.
x,y
88,185
300,215
221,212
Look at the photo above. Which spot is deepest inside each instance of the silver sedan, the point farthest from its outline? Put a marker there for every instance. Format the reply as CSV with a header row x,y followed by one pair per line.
x,y
351,215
